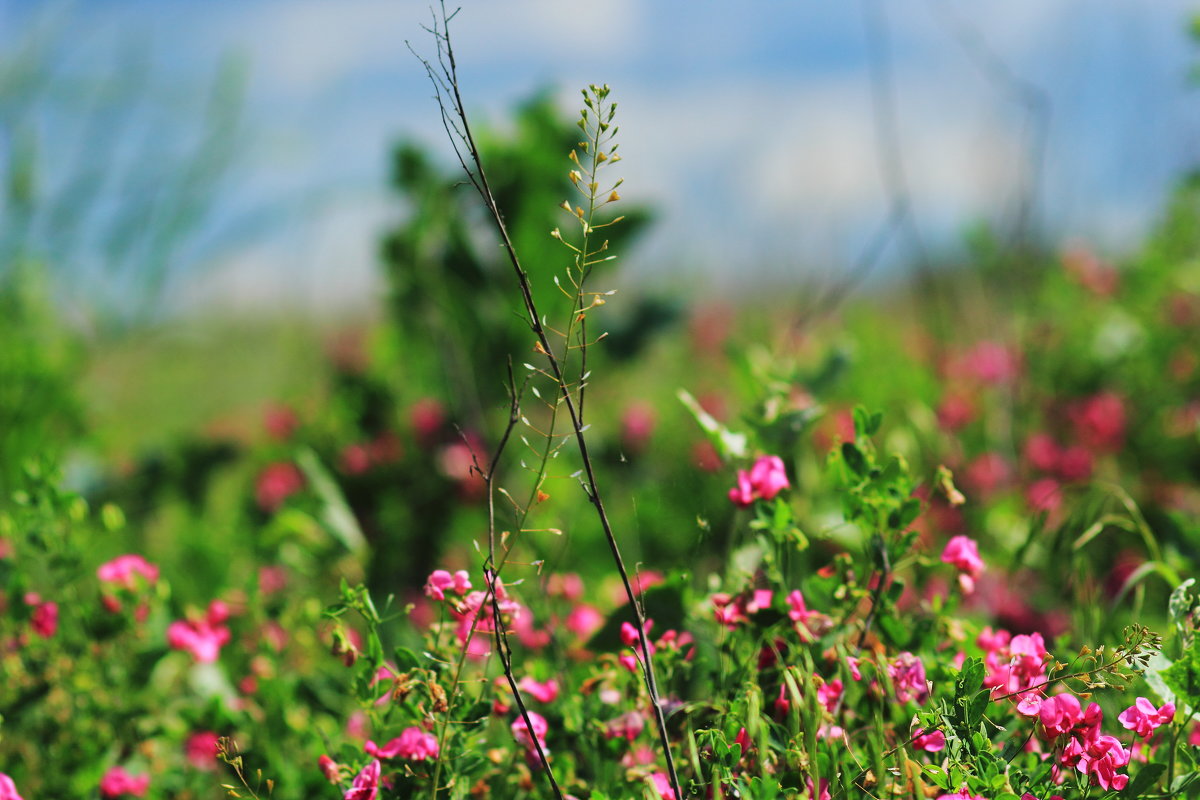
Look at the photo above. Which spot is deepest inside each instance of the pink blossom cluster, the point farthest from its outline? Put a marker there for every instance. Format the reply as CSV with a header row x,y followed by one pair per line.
x,y
44,618
1016,664
1079,743
963,553
366,783
8,789
276,483
476,611
117,783
526,738
671,640
413,744
440,580
203,637
126,575
732,611
908,678
764,480
1142,717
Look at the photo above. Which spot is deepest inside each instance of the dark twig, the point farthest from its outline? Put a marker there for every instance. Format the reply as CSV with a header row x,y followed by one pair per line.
x,y
445,81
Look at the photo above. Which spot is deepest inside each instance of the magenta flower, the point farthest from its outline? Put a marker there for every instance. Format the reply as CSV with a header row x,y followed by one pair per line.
x,y
203,638
662,785
963,553
542,692
931,742
908,678
627,726
961,794
329,768
767,478
1059,714
201,749
8,789
540,728
44,618
1142,717
123,571
366,783
440,580
117,782
413,744
276,483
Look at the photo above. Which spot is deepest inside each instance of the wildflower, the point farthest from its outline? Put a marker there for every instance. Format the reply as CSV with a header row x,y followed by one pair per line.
x,y
955,412
931,742
828,694
992,362
1100,421
540,728
280,422
627,726
908,678
820,791
1042,452
963,553
117,782
413,744
8,789
987,474
366,783
329,768
542,692
203,638
1044,494
662,785
1059,714
766,479
1142,717
123,571
584,620
440,580
201,749
44,618
855,672
961,794
276,483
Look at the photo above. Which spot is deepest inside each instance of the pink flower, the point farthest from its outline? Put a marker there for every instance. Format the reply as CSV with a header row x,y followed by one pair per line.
x,y
540,727
992,362
201,749
117,782
766,479
329,768
542,692
203,638
8,789
829,693
908,678
662,785
637,426
1059,714
961,794
931,742
1075,464
1044,495
987,473
627,726
963,553
584,620
413,744
955,411
440,580
1142,717
1042,452
1100,421
44,618
820,791
366,783
123,571
276,483
280,421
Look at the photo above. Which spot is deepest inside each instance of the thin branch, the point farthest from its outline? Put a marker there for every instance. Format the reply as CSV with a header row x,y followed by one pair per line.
x,y
450,101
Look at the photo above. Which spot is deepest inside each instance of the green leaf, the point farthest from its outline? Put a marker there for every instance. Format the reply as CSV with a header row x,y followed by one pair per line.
x,y
854,459
1146,777
339,520
1183,677
729,445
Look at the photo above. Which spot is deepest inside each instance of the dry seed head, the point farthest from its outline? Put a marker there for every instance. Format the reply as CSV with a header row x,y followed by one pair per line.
x,y
614,197
574,176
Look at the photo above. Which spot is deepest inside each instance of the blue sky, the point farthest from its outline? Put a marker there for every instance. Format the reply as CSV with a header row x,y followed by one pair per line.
x,y
749,124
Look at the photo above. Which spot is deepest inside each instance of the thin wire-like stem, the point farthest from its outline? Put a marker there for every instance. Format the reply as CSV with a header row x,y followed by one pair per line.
x,y
454,118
